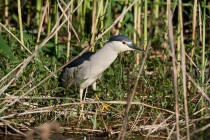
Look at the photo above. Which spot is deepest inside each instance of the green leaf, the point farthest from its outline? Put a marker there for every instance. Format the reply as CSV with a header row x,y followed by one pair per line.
x,y
7,52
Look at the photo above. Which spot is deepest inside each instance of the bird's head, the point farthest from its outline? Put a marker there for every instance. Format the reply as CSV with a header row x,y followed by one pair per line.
x,y
122,43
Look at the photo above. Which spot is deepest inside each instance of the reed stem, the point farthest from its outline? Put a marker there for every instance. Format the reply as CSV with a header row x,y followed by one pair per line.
x,y
20,23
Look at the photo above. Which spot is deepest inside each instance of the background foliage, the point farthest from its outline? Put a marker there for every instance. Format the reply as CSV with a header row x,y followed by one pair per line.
x,y
27,26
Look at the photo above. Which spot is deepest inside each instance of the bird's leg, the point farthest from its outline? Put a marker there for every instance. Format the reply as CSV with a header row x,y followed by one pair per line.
x,y
94,86
81,94
82,105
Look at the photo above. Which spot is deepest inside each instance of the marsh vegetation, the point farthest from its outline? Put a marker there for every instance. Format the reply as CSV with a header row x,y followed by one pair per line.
x,y
171,96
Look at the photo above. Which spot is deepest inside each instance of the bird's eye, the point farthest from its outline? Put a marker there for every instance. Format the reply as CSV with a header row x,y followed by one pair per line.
x,y
123,42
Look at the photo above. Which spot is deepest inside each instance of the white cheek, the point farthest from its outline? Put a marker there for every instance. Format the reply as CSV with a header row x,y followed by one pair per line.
x,y
127,48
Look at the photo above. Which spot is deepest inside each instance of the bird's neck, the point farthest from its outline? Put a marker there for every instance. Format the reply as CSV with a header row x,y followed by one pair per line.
x,y
105,56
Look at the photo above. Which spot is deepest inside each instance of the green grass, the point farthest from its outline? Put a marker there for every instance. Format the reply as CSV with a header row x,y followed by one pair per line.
x,y
155,87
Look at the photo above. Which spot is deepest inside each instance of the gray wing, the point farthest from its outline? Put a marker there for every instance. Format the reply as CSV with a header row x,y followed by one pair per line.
x,y
76,72
67,77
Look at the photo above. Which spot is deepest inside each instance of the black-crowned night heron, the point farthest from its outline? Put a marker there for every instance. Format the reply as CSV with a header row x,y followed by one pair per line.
x,y
86,69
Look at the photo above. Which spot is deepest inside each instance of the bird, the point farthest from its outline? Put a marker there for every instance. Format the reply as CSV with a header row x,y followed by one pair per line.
x,y
86,69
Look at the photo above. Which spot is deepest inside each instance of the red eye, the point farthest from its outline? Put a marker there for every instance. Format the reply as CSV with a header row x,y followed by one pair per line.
x,y
123,42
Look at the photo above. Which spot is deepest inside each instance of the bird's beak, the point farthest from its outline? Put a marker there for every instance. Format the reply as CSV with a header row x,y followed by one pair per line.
x,y
135,47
